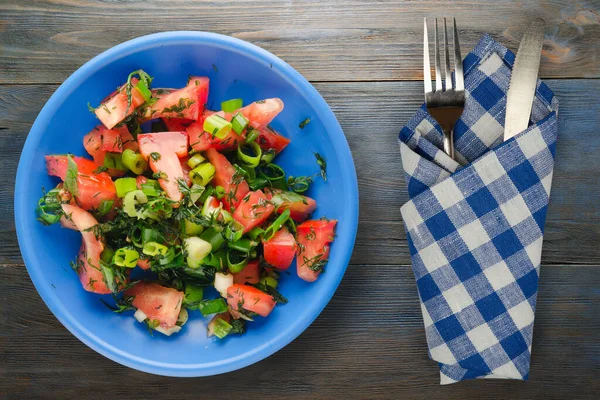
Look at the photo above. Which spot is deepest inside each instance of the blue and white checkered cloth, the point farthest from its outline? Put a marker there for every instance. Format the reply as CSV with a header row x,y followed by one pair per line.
x,y
475,232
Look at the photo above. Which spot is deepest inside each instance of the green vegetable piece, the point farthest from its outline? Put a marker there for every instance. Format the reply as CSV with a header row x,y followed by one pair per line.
x,y
142,87
151,188
192,229
217,126
125,257
236,261
208,307
196,160
304,123
221,328
239,123
269,281
193,294
114,161
125,185
196,249
214,237
249,154
153,249
203,174
107,255
134,161
232,105
277,224
131,200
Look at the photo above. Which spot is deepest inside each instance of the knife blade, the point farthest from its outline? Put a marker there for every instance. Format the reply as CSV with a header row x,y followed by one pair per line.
x,y
523,81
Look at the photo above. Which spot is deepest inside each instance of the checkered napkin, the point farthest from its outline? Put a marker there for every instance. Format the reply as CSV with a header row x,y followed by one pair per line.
x,y
475,232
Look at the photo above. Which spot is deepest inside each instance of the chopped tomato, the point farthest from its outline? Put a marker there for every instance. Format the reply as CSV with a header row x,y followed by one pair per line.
x,y
143,263
200,140
300,206
187,102
249,298
157,302
100,138
114,109
162,150
88,260
140,180
280,250
92,188
269,139
253,210
261,113
313,239
235,190
177,124
250,274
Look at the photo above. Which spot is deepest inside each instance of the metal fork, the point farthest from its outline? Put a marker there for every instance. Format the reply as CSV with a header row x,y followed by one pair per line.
x,y
445,106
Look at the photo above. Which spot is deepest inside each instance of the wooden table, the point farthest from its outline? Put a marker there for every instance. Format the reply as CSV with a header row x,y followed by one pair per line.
x,y
365,59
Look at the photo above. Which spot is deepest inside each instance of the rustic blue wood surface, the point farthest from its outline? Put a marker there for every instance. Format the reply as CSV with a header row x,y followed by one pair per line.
x,y
364,57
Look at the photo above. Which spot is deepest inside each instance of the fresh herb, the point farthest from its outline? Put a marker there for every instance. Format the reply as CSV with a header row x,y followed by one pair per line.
x,y
90,108
304,123
155,156
100,169
316,263
270,290
215,68
322,164
71,176
179,107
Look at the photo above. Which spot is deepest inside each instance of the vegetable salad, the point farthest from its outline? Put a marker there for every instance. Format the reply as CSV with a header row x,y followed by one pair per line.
x,y
191,197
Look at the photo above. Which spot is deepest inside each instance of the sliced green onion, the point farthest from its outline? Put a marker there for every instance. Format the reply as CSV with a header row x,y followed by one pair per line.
x,y
125,185
208,191
49,209
142,87
269,281
151,235
131,200
113,160
107,255
125,257
214,237
105,207
203,174
196,250
259,183
252,136
277,224
268,156
195,160
272,172
219,192
217,259
134,161
230,106
217,126
171,257
236,261
221,328
108,275
193,294
215,306
239,123
196,191
136,236
255,233
249,154
243,245
153,249
208,210
192,229
234,231
151,188
226,216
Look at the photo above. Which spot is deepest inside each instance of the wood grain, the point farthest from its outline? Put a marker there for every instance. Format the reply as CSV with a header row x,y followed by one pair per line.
x,y
332,40
573,223
368,343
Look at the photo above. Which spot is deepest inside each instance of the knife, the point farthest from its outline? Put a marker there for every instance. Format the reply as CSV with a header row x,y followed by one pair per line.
x,y
523,81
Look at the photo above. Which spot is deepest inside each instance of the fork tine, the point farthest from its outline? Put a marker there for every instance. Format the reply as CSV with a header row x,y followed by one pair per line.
x,y
447,56
426,65
438,72
458,74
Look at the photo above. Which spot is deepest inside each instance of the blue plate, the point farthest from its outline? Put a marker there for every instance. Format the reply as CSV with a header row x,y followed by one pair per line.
x,y
236,69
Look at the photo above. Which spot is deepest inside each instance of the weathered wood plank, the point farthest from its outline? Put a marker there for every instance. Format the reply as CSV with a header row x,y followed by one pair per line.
x,y
368,343
332,40
371,114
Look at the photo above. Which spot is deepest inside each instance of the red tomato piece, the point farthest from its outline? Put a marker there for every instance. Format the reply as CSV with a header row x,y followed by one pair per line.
x,y
269,139
300,206
93,188
140,180
100,138
167,147
186,170
250,274
224,174
88,260
187,102
200,140
114,109
177,124
253,210
313,239
143,263
261,113
250,299
280,250
157,302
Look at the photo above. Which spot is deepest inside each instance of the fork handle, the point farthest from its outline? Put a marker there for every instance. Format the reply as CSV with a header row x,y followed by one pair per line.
x,y
449,142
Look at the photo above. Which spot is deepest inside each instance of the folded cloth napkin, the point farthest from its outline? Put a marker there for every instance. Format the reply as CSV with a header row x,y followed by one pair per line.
x,y
475,232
